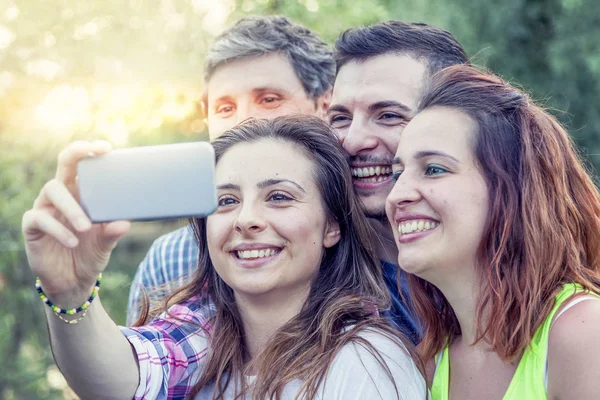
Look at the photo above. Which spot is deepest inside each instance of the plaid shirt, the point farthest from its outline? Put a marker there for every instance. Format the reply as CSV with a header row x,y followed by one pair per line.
x,y
170,352
173,257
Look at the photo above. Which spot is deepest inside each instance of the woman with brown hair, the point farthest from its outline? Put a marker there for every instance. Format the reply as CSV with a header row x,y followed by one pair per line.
x,y
498,224
285,260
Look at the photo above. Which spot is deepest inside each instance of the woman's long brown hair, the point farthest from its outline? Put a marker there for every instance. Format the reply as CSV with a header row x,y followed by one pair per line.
x,y
348,288
543,224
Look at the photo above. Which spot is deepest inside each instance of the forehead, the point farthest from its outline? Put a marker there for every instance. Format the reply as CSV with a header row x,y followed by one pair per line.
x,y
439,128
386,77
262,159
242,76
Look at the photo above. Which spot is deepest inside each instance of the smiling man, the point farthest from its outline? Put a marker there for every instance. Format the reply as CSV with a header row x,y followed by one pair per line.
x,y
381,72
263,67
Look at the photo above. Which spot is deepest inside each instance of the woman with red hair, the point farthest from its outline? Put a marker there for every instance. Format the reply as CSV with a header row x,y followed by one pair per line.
x,y
498,223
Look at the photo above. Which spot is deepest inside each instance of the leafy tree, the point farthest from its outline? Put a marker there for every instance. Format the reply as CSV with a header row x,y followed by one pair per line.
x,y
131,72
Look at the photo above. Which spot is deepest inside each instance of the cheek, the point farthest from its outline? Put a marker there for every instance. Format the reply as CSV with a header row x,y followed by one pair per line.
x,y
301,229
391,139
217,230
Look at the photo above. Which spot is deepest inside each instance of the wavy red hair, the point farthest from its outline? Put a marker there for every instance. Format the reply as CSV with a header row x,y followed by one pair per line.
x,y
543,225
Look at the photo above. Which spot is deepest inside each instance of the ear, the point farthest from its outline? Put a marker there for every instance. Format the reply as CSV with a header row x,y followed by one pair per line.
x,y
323,103
332,234
203,106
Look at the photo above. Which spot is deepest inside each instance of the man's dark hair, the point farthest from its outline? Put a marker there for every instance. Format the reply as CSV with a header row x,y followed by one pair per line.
x,y
434,46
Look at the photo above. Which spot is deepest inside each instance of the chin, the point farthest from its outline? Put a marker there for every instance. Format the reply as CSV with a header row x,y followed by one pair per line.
x,y
411,265
252,290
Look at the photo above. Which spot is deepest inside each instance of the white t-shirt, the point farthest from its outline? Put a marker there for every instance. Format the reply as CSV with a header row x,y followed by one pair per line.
x,y
356,374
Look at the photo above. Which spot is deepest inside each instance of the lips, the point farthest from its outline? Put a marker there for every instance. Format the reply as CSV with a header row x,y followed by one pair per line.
x,y
256,253
412,226
416,225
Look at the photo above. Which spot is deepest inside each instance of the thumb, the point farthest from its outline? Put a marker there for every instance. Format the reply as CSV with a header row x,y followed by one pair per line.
x,y
112,232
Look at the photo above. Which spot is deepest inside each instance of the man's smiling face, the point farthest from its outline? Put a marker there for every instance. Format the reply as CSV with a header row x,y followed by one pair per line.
x,y
372,102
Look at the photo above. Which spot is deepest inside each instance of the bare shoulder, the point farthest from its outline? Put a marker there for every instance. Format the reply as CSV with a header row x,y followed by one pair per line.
x,y
574,352
579,322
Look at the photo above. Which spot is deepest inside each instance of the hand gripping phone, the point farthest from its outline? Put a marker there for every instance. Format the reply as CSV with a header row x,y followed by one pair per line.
x,y
149,183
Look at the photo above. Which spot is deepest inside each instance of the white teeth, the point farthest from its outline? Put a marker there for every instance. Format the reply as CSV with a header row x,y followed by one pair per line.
x,y
416,226
372,173
246,254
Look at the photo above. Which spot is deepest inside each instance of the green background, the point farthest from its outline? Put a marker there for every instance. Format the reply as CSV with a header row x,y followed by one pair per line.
x,y
130,71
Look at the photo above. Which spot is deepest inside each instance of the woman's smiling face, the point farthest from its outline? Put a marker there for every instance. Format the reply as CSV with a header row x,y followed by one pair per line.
x,y
439,204
270,229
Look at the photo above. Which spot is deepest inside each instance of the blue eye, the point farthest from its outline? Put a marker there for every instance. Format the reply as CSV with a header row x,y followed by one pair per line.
x,y
396,175
433,170
339,120
226,201
389,115
279,197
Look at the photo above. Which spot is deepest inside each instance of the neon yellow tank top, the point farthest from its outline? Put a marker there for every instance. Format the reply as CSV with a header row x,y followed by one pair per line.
x,y
529,379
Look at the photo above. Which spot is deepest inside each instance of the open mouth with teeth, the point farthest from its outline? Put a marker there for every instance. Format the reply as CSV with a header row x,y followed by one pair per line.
x,y
373,174
256,253
416,225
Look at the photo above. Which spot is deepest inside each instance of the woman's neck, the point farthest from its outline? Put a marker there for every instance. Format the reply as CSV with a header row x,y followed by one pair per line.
x,y
461,289
263,315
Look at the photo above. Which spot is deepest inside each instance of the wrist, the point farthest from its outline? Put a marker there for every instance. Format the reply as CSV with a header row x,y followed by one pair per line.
x,y
69,301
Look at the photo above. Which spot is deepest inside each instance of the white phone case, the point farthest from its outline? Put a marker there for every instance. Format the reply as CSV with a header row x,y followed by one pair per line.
x,y
149,183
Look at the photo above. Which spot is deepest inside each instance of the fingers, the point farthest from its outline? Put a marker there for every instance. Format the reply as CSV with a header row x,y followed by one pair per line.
x,y
56,194
66,171
112,232
37,223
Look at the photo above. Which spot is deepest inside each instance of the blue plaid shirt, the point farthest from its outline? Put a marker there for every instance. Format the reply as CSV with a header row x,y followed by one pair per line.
x,y
173,257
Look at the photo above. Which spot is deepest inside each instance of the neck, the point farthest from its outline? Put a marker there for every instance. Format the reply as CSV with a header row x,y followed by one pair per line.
x,y
460,288
385,246
263,315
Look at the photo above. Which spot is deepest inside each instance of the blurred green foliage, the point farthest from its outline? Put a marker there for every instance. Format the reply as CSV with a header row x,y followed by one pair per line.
x,y
130,71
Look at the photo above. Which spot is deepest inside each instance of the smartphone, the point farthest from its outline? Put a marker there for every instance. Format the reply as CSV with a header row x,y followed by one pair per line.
x,y
149,183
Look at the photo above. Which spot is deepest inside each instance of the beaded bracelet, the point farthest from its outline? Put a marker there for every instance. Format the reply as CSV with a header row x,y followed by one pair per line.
x,y
57,310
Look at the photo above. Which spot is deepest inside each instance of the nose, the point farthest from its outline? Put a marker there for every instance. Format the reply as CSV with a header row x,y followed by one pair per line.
x,y
243,112
250,219
357,138
404,192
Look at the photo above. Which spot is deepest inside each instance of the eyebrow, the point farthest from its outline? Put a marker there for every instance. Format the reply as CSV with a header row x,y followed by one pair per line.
x,y
373,107
263,89
272,182
254,91
388,104
426,153
261,185
338,108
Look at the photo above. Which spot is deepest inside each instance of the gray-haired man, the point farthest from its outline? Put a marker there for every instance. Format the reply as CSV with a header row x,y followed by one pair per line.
x,y
262,67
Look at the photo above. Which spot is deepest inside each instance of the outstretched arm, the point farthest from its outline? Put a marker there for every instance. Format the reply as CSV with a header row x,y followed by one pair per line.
x,y
68,253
